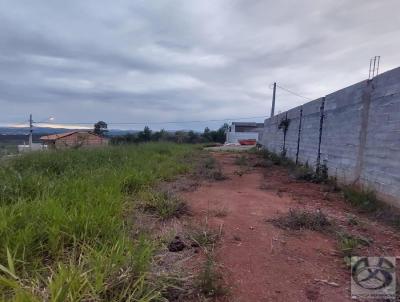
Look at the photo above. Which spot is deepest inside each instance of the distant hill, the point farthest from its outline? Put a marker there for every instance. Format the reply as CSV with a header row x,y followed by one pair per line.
x,y
46,130
25,130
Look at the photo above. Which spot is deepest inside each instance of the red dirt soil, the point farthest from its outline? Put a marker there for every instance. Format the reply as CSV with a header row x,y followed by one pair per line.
x,y
261,262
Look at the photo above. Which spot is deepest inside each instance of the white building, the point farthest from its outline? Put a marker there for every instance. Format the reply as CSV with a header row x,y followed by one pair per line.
x,y
35,147
243,131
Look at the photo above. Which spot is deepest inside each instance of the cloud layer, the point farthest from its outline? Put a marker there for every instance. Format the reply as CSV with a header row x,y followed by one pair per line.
x,y
151,61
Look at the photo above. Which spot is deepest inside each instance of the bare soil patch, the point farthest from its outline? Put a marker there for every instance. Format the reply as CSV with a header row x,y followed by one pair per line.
x,y
261,261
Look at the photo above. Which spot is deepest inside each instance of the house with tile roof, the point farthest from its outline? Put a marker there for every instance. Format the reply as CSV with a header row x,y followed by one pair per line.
x,y
74,139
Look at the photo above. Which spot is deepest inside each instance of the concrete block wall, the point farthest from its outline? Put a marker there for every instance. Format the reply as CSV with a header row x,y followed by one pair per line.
x,y
360,134
381,158
271,137
293,131
309,136
341,132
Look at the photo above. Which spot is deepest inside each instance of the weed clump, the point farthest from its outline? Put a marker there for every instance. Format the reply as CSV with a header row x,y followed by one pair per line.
x,y
367,202
241,160
306,173
133,184
303,172
209,168
204,236
349,243
164,205
364,200
275,159
298,220
210,280
220,212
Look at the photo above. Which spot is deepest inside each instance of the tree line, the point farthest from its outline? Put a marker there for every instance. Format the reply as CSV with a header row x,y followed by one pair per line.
x,y
188,137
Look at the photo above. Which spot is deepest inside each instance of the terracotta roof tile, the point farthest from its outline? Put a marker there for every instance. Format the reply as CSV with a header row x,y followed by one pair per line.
x,y
57,136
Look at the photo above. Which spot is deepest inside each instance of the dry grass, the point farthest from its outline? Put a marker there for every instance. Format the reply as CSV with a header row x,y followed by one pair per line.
x,y
220,212
209,168
298,220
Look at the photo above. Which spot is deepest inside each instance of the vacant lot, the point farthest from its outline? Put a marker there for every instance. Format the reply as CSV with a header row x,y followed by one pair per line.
x,y
167,222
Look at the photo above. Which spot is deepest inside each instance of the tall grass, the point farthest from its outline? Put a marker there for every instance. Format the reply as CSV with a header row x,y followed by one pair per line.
x,y
62,231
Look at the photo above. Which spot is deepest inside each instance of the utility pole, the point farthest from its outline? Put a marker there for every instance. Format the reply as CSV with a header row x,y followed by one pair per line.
x,y
30,130
273,101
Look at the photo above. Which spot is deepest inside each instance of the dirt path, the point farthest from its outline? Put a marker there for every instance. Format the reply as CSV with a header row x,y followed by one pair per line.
x,y
261,262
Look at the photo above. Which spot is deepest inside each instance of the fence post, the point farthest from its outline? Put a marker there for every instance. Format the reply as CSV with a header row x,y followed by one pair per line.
x,y
321,124
298,136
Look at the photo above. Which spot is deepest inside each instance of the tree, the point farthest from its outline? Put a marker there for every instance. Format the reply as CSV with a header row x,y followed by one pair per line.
x,y
100,128
207,134
221,133
145,135
161,135
218,136
193,137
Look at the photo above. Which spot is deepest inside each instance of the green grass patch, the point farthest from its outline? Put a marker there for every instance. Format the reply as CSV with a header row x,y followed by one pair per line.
x,y
210,280
164,205
62,228
363,200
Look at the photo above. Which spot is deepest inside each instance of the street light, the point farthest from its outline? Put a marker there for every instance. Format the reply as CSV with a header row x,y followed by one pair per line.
x,y
31,122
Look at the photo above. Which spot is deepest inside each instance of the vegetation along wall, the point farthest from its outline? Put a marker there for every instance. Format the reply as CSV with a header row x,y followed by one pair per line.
x,y
355,132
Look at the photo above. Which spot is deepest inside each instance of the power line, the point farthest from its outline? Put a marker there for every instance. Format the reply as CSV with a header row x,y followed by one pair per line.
x,y
153,122
294,93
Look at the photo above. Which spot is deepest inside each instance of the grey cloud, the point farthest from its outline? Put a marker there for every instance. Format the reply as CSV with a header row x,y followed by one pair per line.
x,y
183,60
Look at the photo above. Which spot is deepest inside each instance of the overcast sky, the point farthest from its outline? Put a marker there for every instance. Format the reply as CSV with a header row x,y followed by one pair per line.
x,y
147,61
